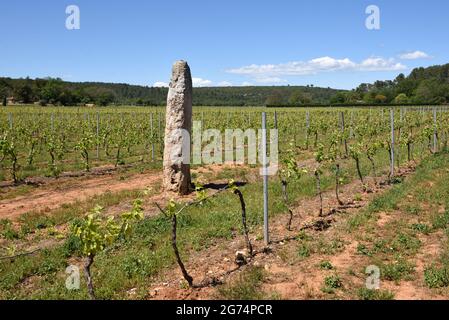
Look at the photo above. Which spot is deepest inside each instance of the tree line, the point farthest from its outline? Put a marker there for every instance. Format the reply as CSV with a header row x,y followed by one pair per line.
x,y
58,92
423,85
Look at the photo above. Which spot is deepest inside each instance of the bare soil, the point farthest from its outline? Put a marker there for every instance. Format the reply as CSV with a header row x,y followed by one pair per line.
x,y
287,277
52,193
69,190
292,278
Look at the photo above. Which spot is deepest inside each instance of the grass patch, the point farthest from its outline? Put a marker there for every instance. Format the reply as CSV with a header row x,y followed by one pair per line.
x,y
44,264
330,247
412,209
7,230
436,277
331,283
326,265
397,270
246,287
371,294
392,199
405,243
421,228
441,221
33,221
309,246
304,250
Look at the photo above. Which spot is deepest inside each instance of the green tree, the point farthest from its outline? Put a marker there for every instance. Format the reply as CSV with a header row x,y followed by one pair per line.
x,y
103,97
339,98
401,98
431,91
353,97
24,93
4,92
299,97
368,97
275,99
51,91
380,98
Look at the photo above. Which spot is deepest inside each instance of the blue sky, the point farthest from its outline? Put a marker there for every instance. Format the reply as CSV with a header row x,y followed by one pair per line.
x,y
324,43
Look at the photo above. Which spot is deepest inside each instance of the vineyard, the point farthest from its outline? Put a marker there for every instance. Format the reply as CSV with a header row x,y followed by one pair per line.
x,y
66,172
47,142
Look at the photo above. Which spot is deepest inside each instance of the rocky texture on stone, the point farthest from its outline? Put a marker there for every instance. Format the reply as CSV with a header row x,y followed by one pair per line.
x,y
178,130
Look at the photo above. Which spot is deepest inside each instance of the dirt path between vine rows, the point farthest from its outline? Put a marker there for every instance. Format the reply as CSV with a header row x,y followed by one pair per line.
x,y
218,260
287,276
56,194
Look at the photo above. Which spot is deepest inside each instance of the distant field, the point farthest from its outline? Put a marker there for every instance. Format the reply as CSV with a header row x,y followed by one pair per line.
x,y
51,140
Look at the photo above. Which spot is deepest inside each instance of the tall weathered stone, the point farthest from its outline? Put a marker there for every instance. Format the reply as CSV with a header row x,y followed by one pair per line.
x,y
178,124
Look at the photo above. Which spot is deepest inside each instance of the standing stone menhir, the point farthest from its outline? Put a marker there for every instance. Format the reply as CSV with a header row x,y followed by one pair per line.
x,y
178,123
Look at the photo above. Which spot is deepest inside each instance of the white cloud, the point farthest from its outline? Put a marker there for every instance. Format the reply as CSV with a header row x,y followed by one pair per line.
x,y
246,84
269,80
414,55
314,66
160,84
199,82
379,64
224,84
